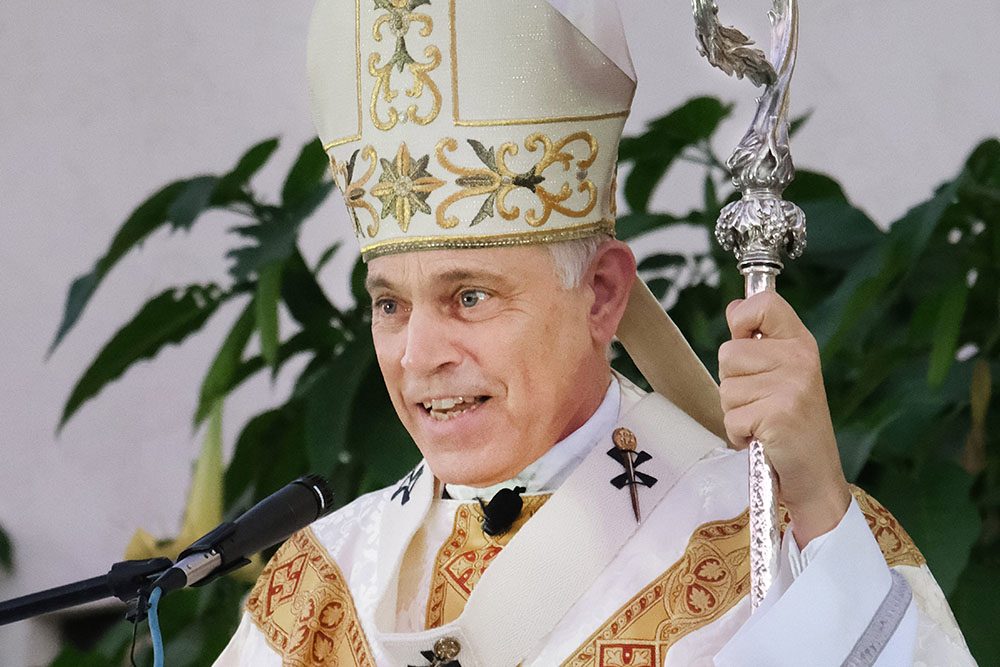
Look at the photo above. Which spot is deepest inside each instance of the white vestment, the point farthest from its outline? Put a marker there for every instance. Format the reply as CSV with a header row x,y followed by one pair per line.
x,y
582,584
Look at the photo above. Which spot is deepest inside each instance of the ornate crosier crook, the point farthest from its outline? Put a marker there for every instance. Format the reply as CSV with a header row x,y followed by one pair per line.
x,y
761,225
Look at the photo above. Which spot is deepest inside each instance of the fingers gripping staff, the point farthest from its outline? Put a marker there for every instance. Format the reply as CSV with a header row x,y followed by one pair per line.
x,y
761,225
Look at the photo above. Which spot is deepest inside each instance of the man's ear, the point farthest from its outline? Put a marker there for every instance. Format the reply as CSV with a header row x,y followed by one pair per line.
x,y
610,276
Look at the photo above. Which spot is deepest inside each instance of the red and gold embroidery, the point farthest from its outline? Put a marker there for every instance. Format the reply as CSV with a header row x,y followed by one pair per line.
x,y
464,558
895,543
709,579
302,605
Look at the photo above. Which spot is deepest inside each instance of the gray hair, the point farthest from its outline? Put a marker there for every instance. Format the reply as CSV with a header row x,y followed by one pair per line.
x,y
573,258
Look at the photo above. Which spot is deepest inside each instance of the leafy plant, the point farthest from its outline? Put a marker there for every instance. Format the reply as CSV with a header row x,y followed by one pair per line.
x,y
908,323
6,552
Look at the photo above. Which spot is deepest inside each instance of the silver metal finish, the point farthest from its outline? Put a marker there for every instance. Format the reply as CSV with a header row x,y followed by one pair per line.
x,y
198,566
760,227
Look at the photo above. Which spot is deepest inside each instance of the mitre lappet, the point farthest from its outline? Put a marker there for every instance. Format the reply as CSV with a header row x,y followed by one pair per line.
x,y
472,123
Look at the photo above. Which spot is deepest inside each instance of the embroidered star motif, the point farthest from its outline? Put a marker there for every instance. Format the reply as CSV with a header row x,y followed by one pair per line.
x,y
406,487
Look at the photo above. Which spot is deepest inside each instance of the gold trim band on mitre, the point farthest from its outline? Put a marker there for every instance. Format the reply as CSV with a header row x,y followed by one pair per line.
x,y
394,246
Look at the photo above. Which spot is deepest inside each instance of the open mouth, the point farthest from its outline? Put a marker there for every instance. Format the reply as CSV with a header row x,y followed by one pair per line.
x,y
443,409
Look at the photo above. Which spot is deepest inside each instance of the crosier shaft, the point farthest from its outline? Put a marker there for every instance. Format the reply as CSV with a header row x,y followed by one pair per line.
x,y
763,497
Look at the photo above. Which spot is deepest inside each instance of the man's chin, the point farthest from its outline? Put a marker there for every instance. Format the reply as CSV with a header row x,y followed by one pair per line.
x,y
467,469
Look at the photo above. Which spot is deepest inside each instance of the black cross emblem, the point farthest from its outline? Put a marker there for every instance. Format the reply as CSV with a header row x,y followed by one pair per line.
x,y
434,661
407,485
641,478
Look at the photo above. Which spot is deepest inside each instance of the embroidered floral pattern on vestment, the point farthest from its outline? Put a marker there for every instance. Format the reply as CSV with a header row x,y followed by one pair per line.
x,y
708,580
465,556
302,605
896,544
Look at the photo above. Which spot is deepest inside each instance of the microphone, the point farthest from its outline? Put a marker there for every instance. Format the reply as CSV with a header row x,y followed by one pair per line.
x,y
270,521
502,511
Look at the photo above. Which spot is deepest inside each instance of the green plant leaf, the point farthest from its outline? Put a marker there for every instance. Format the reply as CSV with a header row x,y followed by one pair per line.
x,y
798,122
330,402
326,257
219,379
191,201
306,174
653,152
146,219
274,242
231,185
359,273
266,307
976,604
269,452
274,236
168,318
946,331
936,509
632,225
305,299
6,552
661,261
377,436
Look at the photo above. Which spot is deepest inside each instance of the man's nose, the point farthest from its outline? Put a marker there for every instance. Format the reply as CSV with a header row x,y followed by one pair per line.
x,y
429,342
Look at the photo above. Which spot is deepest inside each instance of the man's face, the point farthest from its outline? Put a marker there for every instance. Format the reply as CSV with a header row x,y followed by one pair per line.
x,y
488,359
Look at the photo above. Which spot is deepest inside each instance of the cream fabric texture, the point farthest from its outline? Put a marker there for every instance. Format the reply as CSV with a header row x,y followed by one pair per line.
x,y
469,123
813,618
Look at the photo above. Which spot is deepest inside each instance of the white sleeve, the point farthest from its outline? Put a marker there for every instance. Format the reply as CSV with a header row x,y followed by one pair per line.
x,y
818,616
833,600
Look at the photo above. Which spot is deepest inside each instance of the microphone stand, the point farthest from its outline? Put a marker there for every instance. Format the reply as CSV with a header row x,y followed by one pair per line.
x,y
128,581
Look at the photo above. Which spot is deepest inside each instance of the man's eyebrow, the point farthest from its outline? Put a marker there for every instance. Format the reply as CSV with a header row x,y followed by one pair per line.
x,y
375,282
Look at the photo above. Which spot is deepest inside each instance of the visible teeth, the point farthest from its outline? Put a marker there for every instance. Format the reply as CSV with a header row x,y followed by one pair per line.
x,y
445,403
446,408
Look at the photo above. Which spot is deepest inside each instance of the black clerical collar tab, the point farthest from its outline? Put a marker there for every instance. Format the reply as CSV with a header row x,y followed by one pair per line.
x,y
502,511
444,654
626,453
405,487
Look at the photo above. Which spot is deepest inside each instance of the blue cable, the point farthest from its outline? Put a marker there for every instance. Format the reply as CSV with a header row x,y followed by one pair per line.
x,y
154,627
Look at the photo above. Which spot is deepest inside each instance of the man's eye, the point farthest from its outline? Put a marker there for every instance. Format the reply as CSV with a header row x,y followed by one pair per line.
x,y
386,306
472,297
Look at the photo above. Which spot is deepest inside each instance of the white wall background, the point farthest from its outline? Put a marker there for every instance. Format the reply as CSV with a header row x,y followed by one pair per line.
x,y
103,102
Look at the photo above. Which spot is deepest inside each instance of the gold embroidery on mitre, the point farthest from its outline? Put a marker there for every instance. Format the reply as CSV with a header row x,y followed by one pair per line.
x,y
404,186
464,557
534,237
498,180
302,605
400,16
711,576
351,188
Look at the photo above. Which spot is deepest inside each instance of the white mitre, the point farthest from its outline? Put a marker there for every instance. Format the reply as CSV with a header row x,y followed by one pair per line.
x,y
483,123
468,123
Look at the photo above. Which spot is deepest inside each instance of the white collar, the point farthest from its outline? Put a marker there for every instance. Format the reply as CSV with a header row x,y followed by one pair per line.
x,y
550,470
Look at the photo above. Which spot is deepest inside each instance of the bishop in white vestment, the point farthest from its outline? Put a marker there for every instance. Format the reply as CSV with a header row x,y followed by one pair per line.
x,y
475,143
